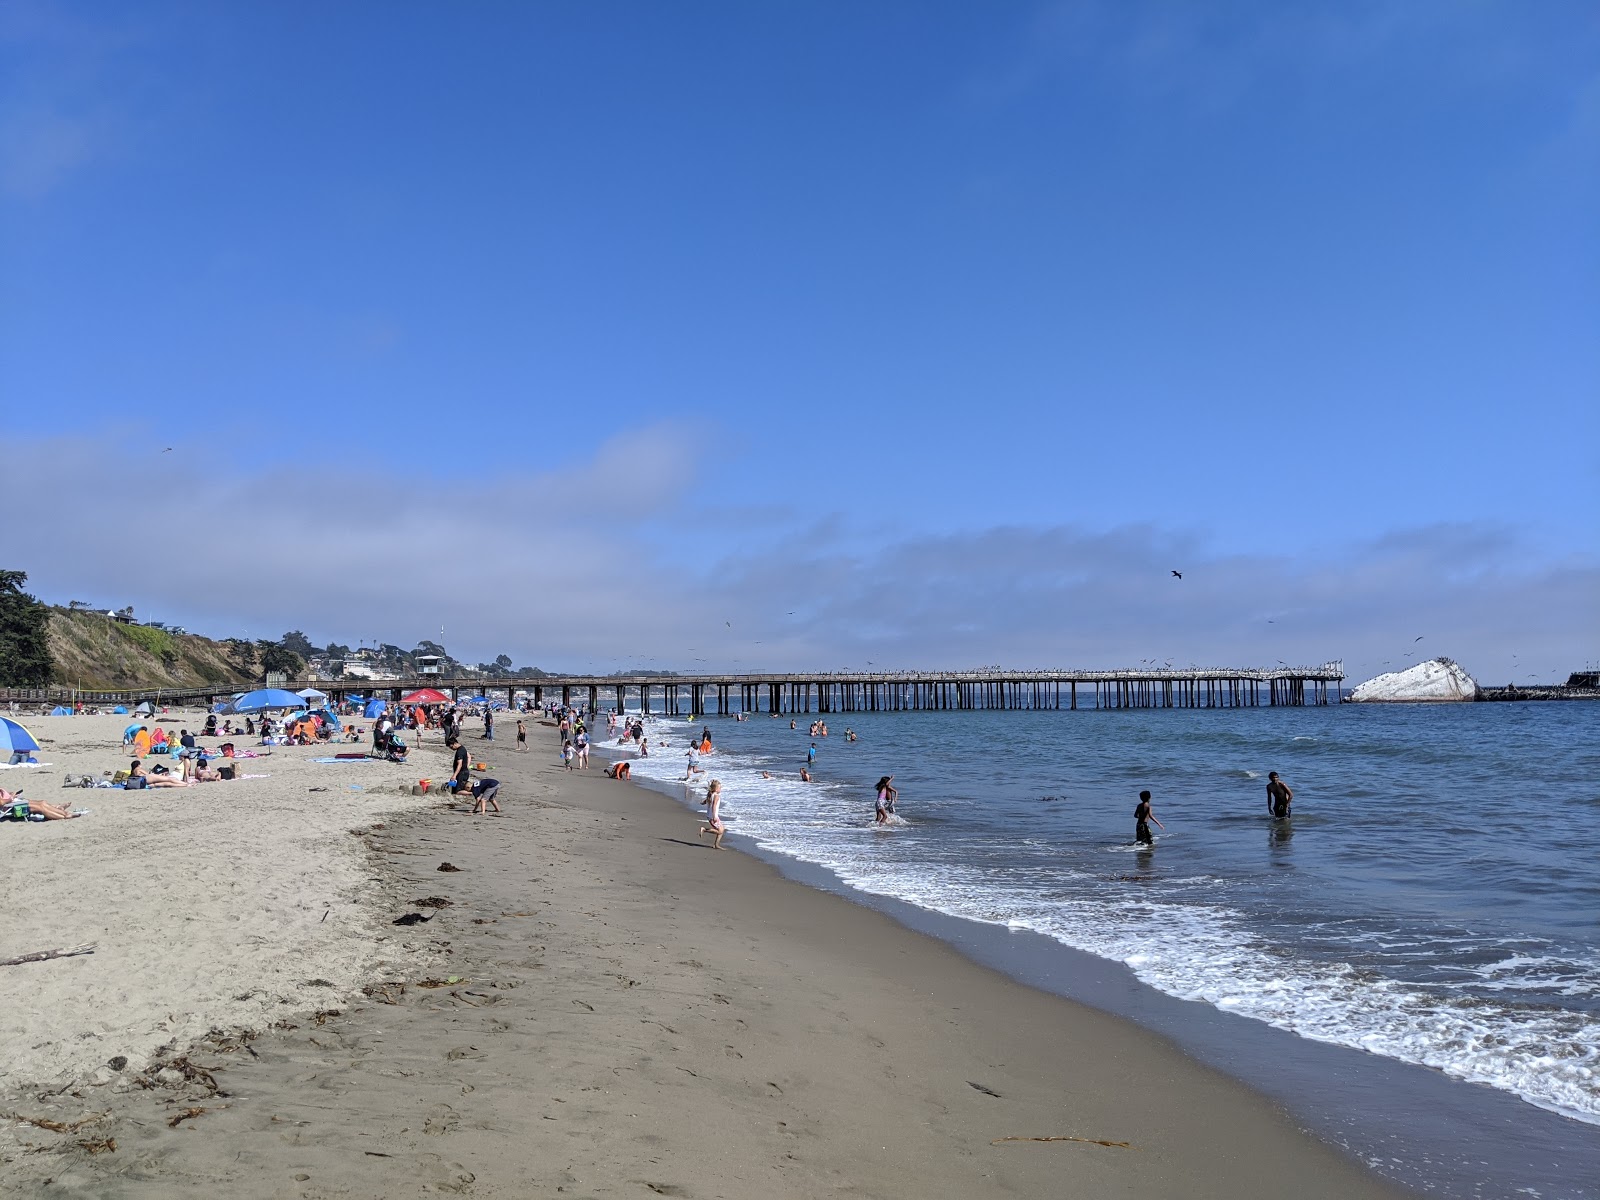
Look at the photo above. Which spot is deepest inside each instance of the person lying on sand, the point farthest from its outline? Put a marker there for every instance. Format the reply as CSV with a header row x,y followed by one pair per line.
x,y
136,771
50,812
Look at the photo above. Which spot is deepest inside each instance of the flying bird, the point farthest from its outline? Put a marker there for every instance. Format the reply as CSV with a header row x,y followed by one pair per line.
x,y
1177,574
168,450
1418,639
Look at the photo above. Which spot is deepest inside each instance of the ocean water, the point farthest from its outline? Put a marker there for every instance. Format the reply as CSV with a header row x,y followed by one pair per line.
x,y
1435,899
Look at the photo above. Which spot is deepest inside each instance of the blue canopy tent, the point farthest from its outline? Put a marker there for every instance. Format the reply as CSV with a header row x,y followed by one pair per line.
x,y
374,709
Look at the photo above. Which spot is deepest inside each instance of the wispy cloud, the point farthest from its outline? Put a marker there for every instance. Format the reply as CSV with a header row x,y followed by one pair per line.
x,y
562,569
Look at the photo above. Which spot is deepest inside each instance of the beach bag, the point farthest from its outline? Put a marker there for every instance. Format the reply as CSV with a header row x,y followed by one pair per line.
x,y
136,783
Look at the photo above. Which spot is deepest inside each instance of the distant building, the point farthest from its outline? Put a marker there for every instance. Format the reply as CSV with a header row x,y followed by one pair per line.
x,y
1584,679
428,664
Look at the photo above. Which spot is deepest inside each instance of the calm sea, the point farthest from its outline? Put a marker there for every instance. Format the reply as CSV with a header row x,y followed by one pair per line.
x,y
1434,901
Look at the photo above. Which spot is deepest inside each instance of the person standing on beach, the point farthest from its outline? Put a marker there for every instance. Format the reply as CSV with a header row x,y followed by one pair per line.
x,y
1279,797
581,745
522,735
886,798
488,724
1142,816
459,766
714,816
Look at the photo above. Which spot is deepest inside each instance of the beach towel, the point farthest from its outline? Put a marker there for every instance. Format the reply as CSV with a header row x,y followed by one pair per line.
x,y
351,759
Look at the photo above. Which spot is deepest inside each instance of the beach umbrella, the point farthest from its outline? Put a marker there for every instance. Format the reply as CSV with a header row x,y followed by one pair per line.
x,y
374,709
264,698
312,694
425,696
14,738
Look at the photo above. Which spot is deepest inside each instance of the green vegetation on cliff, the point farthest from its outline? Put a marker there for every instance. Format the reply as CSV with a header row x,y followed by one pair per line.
x,y
95,652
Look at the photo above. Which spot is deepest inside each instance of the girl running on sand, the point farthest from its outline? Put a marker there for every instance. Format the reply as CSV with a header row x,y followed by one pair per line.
x,y
714,817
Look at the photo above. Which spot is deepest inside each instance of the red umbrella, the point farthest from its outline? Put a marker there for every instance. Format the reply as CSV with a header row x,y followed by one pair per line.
x,y
425,696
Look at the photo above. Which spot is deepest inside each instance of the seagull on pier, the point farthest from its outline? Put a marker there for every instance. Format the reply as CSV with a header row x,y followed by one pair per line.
x,y
1177,574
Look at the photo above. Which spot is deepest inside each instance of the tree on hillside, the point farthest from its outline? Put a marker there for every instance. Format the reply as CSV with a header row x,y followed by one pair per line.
x,y
24,643
297,643
275,656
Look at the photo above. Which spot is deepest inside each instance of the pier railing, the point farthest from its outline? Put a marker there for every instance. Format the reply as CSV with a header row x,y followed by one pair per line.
x,y
820,691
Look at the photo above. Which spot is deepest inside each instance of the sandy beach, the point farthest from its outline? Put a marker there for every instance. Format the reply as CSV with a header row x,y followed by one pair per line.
x,y
598,1004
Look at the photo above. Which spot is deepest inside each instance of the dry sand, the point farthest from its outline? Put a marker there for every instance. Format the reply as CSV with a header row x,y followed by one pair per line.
x,y
222,904
622,1011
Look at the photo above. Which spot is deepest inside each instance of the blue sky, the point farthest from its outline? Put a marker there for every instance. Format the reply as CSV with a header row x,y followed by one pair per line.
x,y
814,307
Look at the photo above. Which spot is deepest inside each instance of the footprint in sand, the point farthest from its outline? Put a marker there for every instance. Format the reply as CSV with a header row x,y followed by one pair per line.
x,y
441,1119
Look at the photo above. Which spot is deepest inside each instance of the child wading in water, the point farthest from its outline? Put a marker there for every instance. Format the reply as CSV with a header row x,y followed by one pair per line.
x,y
714,819
1142,816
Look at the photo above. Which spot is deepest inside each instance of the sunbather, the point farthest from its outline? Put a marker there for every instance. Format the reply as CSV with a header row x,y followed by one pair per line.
x,y
50,812
137,771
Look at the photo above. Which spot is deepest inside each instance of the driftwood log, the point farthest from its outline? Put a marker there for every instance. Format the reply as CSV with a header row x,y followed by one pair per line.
x,y
42,955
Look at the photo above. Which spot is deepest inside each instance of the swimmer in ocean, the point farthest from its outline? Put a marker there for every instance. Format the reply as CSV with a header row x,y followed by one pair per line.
x,y
1279,797
1142,816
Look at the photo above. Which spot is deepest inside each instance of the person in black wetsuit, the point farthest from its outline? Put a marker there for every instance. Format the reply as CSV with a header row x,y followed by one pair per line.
x,y
1142,816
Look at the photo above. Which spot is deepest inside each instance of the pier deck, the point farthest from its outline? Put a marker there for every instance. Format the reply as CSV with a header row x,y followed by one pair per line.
x,y
824,692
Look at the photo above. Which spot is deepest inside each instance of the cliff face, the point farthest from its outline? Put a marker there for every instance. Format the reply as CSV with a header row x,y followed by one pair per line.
x,y
94,652
1438,679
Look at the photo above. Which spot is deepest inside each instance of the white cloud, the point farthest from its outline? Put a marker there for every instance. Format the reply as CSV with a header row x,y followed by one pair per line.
x,y
613,562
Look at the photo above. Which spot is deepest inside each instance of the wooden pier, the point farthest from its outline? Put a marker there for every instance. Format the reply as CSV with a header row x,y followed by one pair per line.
x,y
829,692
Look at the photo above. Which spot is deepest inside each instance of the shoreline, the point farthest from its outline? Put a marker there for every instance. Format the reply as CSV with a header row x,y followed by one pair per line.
x,y
632,1009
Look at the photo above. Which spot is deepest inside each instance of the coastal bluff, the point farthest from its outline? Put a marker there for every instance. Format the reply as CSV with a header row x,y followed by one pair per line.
x,y
1438,680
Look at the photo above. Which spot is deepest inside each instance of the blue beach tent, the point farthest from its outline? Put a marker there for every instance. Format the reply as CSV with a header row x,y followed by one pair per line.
x,y
121,710
59,711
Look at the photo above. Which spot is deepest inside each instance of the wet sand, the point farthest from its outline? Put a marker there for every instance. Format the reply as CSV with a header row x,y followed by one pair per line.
x,y
621,1010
